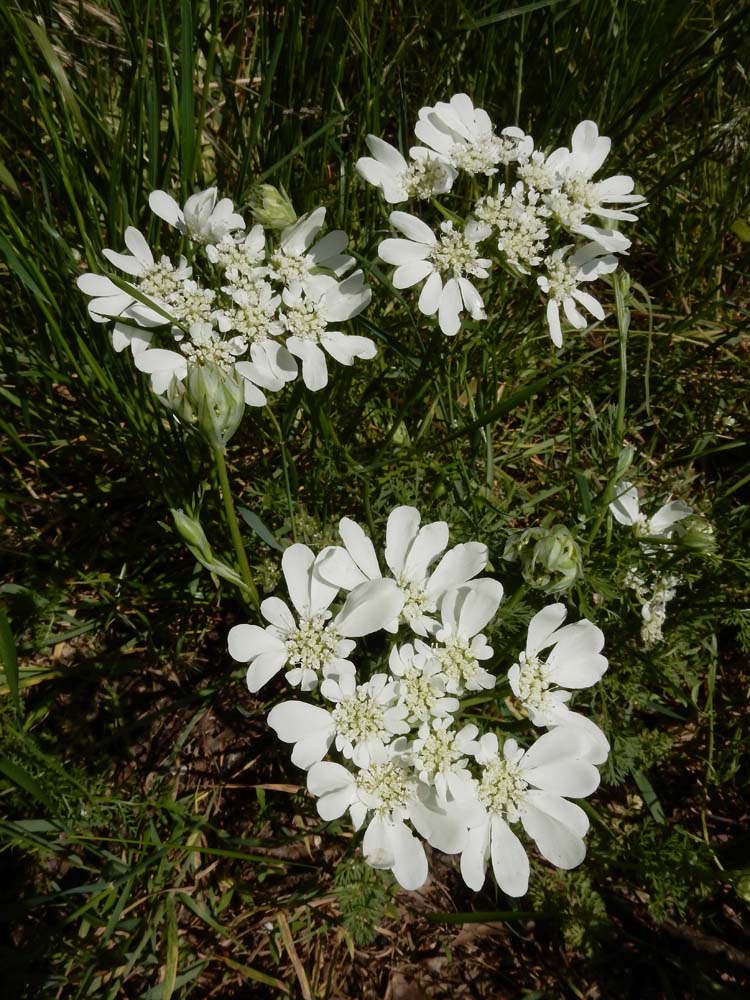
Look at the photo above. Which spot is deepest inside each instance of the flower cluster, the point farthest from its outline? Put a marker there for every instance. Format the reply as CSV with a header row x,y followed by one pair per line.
x,y
655,590
552,220
408,771
250,305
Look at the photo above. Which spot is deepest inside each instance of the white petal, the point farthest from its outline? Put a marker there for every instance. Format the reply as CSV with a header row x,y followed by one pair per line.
x,y
459,565
335,786
430,542
479,606
337,566
124,261
263,668
412,273
369,608
589,302
248,641
668,515
510,863
542,626
296,564
429,299
556,841
410,861
444,831
359,547
567,813
475,855
164,205
450,308
277,613
314,367
376,846
413,228
386,154
344,348
396,251
625,508
553,321
403,524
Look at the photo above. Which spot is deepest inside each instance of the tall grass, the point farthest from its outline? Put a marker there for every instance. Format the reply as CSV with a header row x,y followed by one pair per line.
x,y
151,849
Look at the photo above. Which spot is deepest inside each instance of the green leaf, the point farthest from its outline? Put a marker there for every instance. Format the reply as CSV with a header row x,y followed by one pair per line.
x,y
170,971
9,659
254,522
20,777
649,796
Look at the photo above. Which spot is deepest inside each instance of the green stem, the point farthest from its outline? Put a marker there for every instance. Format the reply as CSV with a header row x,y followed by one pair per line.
x,y
234,527
621,285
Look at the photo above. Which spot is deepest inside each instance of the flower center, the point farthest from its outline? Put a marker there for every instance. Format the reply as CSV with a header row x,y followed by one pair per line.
x,y
384,787
501,789
289,268
163,278
208,348
311,644
303,320
359,717
190,303
562,278
438,753
457,660
416,602
522,231
417,693
454,254
252,313
423,177
532,683
536,174
480,155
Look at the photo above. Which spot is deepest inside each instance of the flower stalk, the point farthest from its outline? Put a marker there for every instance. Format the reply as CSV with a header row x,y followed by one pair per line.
x,y
234,527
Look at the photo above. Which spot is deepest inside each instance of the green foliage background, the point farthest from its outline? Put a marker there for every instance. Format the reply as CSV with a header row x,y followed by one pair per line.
x,y
154,843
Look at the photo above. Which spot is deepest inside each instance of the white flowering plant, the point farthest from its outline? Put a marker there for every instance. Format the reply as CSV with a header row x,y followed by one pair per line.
x,y
540,216
407,765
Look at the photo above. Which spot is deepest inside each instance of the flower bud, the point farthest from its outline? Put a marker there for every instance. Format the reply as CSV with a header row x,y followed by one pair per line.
x,y
190,530
550,557
218,401
697,534
271,207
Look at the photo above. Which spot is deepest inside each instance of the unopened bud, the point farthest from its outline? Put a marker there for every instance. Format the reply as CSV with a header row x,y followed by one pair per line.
x,y
271,207
190,530
218,400
550,557
697,534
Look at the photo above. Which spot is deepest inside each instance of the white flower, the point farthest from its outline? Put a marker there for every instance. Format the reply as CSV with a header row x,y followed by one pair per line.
x,y
390,791
579,196
465,137
421,684
439,756
575,661
654,606
410,551
560,284
203,346
316,645
520,221
110,301
298,256
626,509
529,787
428,174
465,611
363,722
451,257
309,308
203,218
241,259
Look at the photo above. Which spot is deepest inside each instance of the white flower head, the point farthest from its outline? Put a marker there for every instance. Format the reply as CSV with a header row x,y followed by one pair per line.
x,y
520,221
626,510
363,722
465,137
421,684
465,611
446,262
317,645
440,755
578,196
428,173
298,256
203,218
574,661
410,551
560,285
531,787
308,311
389,791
